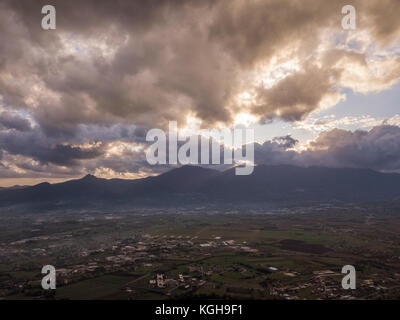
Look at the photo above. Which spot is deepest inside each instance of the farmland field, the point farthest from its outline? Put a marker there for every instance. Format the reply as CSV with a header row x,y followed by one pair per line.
x,y
291,253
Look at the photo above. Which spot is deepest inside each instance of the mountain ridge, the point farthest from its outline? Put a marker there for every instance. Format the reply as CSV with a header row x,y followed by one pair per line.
x,y
193,184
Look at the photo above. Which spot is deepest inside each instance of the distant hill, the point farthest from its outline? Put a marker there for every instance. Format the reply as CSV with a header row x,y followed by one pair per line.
x,y
191,185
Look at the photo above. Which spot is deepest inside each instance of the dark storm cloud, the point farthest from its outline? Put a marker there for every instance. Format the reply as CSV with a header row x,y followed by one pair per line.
x,y
37,146
12,121
382,19
254,30
272,153
286,141
377,149
34,154
163,66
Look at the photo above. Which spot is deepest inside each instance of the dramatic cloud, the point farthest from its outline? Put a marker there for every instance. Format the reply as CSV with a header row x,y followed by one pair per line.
x,y
286,142
37,146
81,97
29,153
295,96
378,149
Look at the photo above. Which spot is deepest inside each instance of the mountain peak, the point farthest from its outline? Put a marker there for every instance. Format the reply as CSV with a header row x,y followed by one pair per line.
x,y
89,177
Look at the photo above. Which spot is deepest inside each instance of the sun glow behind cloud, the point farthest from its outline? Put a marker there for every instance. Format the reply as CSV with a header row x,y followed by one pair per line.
x,y
275,66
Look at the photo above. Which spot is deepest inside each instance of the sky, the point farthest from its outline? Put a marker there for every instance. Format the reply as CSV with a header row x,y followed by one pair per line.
x,y
79,99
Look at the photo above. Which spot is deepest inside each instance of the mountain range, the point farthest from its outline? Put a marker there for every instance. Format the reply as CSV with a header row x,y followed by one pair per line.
x,y
280,184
